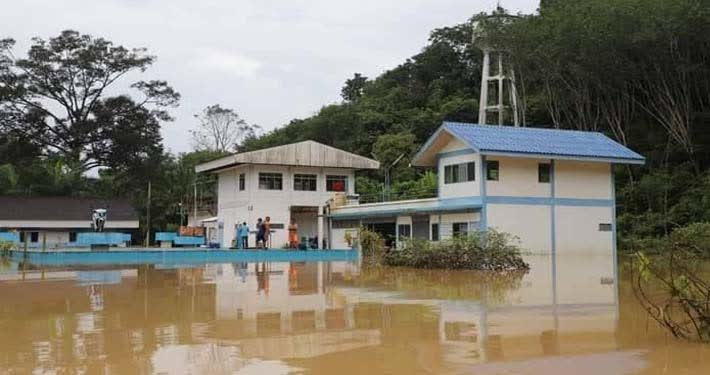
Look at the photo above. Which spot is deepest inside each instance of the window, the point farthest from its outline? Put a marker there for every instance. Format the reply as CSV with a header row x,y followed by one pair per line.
x,y
456,173
242,182
460,229
270,181
543,173
34,237
304,182
492,170
336,183
435,232
72,236
405,230
605,227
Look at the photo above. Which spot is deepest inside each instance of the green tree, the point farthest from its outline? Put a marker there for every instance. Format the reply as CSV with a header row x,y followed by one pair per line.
x,y
57,98
354,88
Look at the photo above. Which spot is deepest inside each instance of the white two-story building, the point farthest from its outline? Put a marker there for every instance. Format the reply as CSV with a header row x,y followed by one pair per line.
x,y
291,181
553,189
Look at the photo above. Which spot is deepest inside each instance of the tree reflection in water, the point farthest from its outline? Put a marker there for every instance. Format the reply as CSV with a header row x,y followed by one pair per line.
x,y
486,286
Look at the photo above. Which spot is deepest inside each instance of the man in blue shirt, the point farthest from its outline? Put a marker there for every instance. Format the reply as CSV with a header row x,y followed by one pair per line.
x,y
243,236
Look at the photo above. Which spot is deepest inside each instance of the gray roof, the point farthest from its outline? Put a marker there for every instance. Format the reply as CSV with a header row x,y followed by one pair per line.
x,y
63,208
537,142
302,154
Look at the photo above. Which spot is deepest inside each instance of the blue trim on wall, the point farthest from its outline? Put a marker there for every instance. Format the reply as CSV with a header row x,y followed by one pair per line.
x,y
544,201
483,222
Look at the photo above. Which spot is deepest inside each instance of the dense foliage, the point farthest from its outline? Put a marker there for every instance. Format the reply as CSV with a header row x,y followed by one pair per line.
x,y
489,251
673,284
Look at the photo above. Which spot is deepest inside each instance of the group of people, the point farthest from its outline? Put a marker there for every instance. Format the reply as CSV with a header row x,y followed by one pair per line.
x,y
263,234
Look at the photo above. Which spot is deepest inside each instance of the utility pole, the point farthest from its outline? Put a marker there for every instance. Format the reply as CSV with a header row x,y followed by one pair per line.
x,y
386,193
147,220
194,205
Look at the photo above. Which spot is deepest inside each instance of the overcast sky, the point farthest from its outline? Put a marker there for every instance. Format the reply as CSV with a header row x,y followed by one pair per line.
x,y
270,60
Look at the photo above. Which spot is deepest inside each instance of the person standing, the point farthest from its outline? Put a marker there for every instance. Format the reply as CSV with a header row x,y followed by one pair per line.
x,y
244,236
260,237
293,234
238,237
267,232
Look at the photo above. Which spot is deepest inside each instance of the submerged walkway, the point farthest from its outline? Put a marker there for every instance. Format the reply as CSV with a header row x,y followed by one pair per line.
x,y
173,257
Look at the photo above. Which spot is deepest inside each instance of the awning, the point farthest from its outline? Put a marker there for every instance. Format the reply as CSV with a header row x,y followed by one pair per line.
x,y
422,206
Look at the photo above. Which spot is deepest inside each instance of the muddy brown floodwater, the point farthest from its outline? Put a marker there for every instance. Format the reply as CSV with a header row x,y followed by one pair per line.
x,y
331,318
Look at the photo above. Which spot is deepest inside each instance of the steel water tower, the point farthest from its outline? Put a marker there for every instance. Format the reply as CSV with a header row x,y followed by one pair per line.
x,y
499,101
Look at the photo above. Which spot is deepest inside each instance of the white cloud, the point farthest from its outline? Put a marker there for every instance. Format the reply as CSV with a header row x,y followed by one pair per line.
x,y
229,63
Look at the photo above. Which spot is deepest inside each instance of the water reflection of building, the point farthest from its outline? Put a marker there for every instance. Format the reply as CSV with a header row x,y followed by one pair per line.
x,y
317,316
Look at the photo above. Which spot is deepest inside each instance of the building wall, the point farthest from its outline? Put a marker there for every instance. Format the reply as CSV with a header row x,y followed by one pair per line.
x,y
447,221
236,206
459,189
518,177
577,230
586,180
530,223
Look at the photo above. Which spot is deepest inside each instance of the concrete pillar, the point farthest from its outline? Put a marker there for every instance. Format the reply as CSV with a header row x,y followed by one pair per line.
x,y
320,229
286,322
320,319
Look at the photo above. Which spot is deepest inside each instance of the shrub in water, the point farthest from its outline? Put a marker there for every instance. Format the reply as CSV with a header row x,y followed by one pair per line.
x,y
371,243
489,251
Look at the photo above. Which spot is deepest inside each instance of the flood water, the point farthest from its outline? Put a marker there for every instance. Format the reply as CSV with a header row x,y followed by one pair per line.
x,y
331,318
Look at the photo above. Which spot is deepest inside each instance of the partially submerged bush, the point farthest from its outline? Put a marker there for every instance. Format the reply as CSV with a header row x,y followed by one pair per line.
x,y
488,251
6,247
694,239
673,286
371,243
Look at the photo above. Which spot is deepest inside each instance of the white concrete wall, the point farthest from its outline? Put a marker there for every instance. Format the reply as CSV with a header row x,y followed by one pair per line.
x,y
459,189
518,177
577,230
575,179
530,223
253,203
447,221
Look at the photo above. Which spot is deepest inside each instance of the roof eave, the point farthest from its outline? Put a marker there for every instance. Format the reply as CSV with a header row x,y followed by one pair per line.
x,y
416,162
595,159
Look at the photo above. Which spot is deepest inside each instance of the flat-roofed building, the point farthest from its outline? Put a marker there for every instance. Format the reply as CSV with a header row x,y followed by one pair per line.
x,y
290,181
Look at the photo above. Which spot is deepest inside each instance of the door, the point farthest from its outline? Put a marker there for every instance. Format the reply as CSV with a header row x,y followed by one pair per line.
x,y
420,227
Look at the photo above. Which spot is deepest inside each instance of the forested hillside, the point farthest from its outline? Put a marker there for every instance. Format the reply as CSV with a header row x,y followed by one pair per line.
x,y
637,70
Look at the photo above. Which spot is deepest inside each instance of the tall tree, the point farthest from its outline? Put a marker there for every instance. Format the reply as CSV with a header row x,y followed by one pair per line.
x,y
57,98
221,129
354,87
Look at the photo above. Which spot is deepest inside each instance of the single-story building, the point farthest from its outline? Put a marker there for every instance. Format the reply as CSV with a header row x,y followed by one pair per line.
x,y
290,181
57,222
553,189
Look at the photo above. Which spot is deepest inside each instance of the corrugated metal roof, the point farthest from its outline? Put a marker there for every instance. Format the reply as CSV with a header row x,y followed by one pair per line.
x,y
63,208
303,154
552,143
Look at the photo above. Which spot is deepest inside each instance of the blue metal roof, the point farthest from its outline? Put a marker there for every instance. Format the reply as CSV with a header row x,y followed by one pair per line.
x,y
552,143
